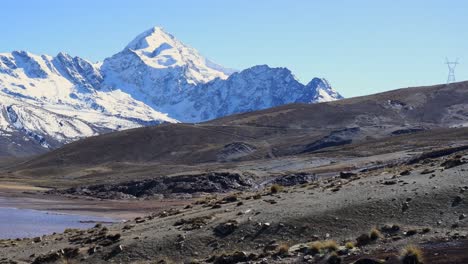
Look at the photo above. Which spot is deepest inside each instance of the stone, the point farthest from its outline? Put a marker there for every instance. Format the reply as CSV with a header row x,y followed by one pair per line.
x,y
390,182
452,163
390,229
347,174
405,206
47,258
225,229
405,173
230,199
236,257
139,220
457,200
363,240
427,171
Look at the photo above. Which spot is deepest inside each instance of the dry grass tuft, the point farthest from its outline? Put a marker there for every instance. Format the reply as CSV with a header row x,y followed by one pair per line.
x,y
283,249
349,245
330,245
375,234
411,255
276,188
315,247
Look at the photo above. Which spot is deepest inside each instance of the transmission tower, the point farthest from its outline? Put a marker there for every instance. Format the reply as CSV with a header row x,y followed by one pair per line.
x,y
451,66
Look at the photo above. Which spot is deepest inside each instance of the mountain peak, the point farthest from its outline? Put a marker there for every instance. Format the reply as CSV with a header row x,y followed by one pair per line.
x,y
323,90
159,49
151,39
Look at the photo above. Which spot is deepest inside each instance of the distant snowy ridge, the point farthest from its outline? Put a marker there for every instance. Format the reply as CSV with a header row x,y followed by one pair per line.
x,y
156,78
56,100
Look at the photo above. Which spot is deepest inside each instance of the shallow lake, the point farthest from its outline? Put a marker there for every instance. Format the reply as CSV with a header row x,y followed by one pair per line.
x,y
20,223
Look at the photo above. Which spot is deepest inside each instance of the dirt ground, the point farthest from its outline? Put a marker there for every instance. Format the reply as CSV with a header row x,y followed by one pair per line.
x,y
424,200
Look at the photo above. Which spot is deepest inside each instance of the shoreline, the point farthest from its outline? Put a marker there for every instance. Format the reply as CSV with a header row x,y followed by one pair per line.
x,y
14,195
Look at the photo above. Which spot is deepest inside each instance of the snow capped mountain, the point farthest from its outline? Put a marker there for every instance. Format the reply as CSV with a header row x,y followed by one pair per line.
x,y
323,91
50,101
55,100
160,50
255,88
158,70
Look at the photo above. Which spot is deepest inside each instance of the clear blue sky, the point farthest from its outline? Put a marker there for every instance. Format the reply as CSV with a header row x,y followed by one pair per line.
x,y
361,46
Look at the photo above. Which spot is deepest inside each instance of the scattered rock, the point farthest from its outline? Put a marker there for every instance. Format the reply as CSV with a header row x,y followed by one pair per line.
x,y
452,163
139,220
405,173
50,257
390,182
236,257
230,199
405,206
426,230
411,232
390,229
295,179
71,252
115,251
347,174
128,227
427,171
363,240
270,201
92,250
114,237
193,223
457,200
225,229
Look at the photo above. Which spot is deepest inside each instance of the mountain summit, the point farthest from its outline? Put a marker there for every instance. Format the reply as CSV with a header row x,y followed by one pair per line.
x,y
48,101
161,50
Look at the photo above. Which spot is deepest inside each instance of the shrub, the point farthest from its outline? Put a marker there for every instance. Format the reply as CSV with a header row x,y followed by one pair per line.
x,y
330,245
349,245
411,255
257,196
283,249
375,234
276,188
315,247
